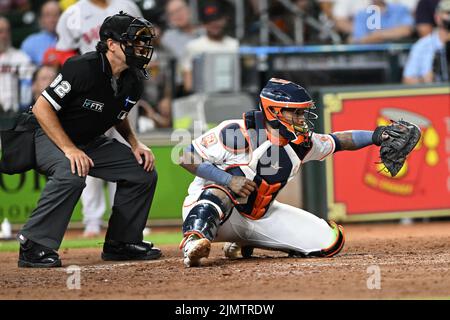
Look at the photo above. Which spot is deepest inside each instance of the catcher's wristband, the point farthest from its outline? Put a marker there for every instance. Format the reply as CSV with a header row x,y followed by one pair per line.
x,y
362,138
376,137
208,171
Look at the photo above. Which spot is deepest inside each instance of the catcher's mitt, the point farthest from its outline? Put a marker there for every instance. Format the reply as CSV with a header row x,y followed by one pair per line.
x,y
396,140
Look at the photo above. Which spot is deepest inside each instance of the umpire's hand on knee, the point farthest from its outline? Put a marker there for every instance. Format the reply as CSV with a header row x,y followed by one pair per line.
x,y
144,156
79,161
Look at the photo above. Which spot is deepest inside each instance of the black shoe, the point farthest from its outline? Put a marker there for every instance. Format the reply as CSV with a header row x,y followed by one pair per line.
x,y
120,251
34,255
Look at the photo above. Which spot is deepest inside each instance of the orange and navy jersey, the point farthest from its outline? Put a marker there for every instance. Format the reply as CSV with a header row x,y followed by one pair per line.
x,y
243,148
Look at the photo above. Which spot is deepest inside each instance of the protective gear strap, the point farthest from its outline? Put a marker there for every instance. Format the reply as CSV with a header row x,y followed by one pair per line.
x,y
376,137
204,218
337,143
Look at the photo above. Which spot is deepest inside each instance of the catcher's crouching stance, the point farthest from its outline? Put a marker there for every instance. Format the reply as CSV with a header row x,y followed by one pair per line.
x,y
241,165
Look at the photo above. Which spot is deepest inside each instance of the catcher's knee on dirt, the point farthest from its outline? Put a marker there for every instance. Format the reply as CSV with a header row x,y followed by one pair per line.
x,y
204,218
336,247
332,250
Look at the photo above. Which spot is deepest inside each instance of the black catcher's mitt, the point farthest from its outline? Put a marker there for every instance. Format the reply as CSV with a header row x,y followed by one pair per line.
x,y
396,140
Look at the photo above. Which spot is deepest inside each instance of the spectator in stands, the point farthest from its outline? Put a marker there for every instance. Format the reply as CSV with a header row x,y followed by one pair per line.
x,y
282,19
153,10
383,22
155,107
78,28
6,6
42,77
214,19
152,117
410,4
15,73
315,9
429,58
326,19
326,7
425,17
181,31
56,57
344,12
36,44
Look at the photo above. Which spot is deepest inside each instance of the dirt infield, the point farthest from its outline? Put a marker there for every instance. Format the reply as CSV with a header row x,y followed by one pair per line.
x,y
414,261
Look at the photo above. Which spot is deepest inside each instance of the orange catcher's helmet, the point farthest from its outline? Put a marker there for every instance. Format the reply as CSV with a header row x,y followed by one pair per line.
x,y
279,94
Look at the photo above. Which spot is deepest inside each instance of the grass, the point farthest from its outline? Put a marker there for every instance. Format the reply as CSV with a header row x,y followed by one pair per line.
x,y
158,238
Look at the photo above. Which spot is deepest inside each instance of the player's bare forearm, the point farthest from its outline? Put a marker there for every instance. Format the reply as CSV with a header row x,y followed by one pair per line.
x,y
347,139
49,122
127,132
190,161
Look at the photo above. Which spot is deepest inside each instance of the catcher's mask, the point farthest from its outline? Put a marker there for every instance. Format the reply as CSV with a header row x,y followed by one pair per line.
x,y
279,94
135,36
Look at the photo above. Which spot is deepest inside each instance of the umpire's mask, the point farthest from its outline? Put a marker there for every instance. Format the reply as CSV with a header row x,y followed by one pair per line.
x,y
135,36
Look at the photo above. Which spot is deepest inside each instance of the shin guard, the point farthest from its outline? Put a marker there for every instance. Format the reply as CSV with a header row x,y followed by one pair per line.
x,y
204,218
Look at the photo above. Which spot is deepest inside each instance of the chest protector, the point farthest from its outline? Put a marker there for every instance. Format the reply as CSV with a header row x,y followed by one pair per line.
x,y
271,166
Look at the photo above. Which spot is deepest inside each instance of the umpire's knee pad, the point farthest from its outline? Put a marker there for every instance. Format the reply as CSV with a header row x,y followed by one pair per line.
x,y
204,218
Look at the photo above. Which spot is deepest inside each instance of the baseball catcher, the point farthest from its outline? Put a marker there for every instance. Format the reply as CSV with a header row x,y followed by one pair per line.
x,y
241,165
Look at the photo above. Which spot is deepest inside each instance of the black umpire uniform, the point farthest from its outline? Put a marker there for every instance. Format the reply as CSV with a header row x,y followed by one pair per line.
x,y
88,100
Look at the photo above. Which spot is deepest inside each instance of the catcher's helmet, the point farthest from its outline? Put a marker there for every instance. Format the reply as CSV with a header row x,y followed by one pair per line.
x,y
135,36
279,94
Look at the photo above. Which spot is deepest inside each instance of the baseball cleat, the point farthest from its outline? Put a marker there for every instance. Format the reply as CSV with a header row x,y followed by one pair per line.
x,y
232,250
195,249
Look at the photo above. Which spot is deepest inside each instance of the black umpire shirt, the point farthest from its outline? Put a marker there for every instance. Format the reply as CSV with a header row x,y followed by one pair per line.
x,y
88,100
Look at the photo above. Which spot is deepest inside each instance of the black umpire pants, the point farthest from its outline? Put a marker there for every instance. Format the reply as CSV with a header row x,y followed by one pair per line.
x,y
113,161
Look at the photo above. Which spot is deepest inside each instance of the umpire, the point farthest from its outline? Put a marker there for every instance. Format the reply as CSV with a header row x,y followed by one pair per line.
x,y
94,92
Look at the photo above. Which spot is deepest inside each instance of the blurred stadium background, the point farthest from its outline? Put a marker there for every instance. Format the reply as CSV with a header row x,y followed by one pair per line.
x,y
357,84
